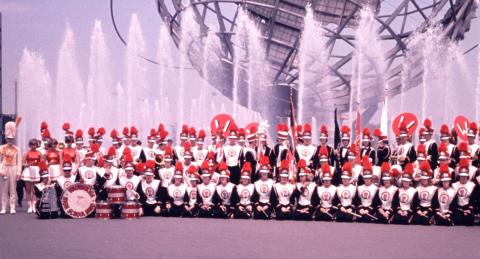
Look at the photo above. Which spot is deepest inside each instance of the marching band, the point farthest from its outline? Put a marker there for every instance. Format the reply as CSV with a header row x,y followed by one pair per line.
x,y
238,175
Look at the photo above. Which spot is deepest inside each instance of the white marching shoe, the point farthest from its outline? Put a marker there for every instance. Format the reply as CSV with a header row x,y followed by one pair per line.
x,y
2,212
12,211
30,209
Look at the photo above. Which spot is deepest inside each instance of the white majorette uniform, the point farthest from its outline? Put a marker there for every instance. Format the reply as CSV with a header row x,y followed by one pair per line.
x,y
31,173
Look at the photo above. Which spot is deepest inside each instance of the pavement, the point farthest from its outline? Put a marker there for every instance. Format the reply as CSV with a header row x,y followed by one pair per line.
x,y
24,236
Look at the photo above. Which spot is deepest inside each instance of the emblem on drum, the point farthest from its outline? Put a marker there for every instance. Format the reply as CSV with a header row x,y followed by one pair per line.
x,y
78,200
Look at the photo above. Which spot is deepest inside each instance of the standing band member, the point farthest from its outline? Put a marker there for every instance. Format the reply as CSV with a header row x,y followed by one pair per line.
x,y
10,167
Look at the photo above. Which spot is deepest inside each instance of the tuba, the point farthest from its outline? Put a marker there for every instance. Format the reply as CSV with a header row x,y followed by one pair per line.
x,y
159,160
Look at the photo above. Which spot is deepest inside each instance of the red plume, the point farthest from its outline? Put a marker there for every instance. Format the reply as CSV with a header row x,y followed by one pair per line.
x,y
421,149
133,130
444,129
427,123
247,167
66,126
79,133
377,132
125,131
385,167
101,131
345,129
150,164
91,131
114,134
187,146
202,134
324,130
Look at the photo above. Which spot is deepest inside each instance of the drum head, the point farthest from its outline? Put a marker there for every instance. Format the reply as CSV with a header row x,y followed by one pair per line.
x,y
78,200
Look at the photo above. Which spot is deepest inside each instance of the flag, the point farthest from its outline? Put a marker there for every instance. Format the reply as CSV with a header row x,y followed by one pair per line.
x,y
358,133
384,118
337,138
293,124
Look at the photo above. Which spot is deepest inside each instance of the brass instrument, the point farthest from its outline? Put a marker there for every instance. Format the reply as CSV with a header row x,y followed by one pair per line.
x,y
159,160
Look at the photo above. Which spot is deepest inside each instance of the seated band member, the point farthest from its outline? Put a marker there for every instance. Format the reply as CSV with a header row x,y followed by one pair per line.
x,y
384,197
304,191
191,201
177,192
466,201
425,191
149,192
346,192
166,173
223,192
262,208
442,202
325,196
283,198
243,193
205,198
405,199
366,193
47,204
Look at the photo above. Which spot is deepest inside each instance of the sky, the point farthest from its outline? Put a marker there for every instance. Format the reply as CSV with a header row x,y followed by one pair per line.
x,y
39,25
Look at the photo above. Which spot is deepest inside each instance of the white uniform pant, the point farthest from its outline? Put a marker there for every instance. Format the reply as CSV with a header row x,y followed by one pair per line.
x,y
9,186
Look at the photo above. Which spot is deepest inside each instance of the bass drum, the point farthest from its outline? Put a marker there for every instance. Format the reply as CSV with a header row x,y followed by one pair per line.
x,y
78,200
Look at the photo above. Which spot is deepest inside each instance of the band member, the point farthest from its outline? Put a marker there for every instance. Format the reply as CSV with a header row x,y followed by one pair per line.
x,y
421,157
242,194
322,158
451,148
10,167
405,199
263,150
342,153
149,150
356,167
177,192
192,137
200,152
366,192
166,173
128,179
30,175
472,146
45,134
233,155
384,197
367,150
466,201
262,196
223,192
430,145
46,207
405,152
325,197
250,153
81,150
187,159
280,150
67,178
330,154
205,199
383,149
149,192
306,150
241,137
442,202
283,198
88,171
303,193
346,193
191,202
108,171
136,149
425,192
183,139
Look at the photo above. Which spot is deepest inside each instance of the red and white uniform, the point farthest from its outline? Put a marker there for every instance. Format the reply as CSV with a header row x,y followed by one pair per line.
x,y
326,195
88,174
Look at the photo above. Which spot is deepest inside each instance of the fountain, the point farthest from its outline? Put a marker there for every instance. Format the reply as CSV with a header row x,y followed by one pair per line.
x,y
312,56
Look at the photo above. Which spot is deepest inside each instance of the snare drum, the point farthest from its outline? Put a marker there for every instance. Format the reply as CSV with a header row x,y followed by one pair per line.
x,y
130,210
116,194
103,210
